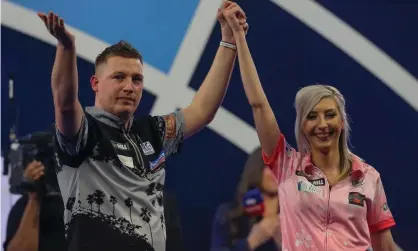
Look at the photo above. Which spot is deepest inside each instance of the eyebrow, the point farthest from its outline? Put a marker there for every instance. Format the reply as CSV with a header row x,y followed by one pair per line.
x,y
141,76
326,111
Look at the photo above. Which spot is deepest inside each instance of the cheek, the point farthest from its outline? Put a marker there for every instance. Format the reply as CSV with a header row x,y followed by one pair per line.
x,y
308,126
338,125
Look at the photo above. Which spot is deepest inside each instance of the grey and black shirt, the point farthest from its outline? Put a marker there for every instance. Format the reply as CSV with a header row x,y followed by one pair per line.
x,y
112,179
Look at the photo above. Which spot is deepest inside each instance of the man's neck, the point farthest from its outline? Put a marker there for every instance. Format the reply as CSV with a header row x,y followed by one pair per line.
x,y
125,117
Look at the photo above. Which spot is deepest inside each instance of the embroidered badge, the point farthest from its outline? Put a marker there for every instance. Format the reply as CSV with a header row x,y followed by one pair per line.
x,y
356,198
147,148
157,163
127,161
357,183
170,126
120,146
305,186
300,173
318,182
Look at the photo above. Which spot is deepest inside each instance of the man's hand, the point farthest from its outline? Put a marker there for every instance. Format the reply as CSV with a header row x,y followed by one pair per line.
x,y
34,171
56,27
231,9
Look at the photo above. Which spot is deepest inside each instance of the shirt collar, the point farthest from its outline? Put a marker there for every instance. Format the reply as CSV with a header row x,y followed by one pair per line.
x,y
108,118
357,167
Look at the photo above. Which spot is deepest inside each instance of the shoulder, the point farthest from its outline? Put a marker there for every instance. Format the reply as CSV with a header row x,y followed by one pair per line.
x,y
222,212
369,171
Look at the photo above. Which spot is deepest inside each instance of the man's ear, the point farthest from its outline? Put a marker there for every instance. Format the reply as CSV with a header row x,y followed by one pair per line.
x,y
94,81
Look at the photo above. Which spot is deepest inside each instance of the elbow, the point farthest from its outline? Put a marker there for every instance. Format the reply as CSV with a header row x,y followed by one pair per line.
x,y
207,120
258,105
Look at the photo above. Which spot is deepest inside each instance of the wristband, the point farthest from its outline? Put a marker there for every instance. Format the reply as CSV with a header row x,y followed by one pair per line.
x,y
228,45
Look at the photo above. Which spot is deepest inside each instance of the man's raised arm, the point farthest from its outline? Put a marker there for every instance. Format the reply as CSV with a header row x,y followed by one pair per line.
x,y
64,78
210,94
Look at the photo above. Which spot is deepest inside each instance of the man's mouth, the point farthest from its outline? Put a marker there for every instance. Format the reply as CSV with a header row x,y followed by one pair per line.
x,y
127,99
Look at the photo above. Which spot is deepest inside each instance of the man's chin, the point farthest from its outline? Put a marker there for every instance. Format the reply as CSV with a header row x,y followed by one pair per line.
x,y
125,112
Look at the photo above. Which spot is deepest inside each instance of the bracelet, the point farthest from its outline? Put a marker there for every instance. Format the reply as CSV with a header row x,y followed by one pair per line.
x,y
228,45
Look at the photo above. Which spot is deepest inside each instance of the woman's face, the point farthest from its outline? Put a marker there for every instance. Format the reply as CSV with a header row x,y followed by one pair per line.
x,y
322,127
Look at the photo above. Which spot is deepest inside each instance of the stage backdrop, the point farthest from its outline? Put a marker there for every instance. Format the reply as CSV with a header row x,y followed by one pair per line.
x,y
368,50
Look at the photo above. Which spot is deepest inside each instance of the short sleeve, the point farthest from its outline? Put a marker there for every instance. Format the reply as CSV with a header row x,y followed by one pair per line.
x,y
283,161
379,215
75,144
171,128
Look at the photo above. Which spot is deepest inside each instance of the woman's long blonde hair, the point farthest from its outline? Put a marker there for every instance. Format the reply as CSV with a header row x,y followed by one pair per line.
x,y
306,99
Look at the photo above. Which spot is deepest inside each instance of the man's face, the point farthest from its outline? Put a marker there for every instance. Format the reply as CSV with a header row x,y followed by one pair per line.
x,y
118,84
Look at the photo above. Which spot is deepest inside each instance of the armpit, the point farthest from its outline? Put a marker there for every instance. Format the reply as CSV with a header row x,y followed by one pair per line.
x,y
73,145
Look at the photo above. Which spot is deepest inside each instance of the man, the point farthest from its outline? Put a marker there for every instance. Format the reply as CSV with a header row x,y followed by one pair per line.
x,y
112,166
35,221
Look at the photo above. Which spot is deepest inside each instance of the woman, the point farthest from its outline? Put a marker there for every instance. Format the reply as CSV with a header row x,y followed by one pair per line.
x,y
235,228
329,198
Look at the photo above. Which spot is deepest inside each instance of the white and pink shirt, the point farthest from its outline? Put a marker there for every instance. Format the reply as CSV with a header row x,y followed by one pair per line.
x,y
316,216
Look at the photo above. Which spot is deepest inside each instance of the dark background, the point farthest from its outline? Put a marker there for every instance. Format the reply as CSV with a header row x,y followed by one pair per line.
x,y
288,56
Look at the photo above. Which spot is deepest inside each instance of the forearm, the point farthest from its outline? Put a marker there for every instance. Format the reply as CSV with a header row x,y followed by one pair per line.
x,y
250,79
212,91
64,81
26,237
265,122
383,241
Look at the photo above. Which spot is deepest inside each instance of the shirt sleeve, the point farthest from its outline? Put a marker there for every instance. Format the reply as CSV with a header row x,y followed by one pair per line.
x,y
75,144
283,162
379,215
171,128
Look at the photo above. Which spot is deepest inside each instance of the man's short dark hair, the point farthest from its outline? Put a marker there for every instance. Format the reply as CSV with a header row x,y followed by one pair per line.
x,y
121,49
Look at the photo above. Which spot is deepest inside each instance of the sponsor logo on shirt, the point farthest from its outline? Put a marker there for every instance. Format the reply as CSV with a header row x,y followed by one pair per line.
x,y
170,126
154,165
356,198
305,186
318,182
357,183
147,148
120,146
127,161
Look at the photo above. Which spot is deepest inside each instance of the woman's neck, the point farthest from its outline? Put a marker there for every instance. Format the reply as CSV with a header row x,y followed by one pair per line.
x,y
328,161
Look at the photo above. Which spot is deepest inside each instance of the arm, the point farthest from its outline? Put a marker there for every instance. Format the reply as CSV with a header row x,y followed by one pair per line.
x,y
380,220
26,237
209,97
383,241
265,122
64,78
